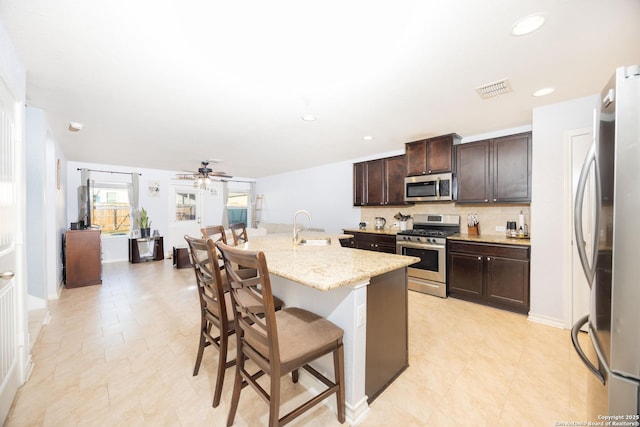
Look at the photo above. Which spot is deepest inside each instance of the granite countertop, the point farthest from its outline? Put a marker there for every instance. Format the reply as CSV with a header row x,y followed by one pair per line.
x,y
323,267
491,238
387,230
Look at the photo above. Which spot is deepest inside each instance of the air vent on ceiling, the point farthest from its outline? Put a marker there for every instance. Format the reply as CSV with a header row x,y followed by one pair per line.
x,y
494,89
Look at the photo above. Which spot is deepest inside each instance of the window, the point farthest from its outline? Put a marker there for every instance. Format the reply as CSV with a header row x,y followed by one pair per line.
x,y
237,207
185,204
110,208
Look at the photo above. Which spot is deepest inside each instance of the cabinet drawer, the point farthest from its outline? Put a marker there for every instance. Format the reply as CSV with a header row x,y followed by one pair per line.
x,y
375,242
490,249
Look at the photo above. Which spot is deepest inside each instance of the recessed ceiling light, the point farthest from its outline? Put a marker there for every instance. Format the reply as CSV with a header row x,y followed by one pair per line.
x,y
543,92
527,25
367,138
75,126
309,118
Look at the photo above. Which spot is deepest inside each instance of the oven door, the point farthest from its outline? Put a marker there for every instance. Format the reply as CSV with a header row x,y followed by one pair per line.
x,y
432,260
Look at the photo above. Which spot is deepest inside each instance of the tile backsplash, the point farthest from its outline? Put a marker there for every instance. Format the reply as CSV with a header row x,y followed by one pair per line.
x,y
490,216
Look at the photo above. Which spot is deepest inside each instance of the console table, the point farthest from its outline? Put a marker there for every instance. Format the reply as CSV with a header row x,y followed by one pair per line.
x,y
146,249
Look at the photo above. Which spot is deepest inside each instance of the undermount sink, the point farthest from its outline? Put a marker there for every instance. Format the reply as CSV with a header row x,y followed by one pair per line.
x,y
315,241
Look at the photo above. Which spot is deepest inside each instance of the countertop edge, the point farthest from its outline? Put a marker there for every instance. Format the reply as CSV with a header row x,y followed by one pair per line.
x,y
490,238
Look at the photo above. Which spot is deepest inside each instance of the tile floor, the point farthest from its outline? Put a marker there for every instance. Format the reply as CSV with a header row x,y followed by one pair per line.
x,y
122,354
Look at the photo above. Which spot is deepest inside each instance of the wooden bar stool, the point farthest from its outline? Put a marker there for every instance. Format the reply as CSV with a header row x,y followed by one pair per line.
x,y
239,233
277,342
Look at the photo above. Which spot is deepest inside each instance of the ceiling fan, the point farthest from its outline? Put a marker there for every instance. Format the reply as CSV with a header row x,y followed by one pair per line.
x,y
204,176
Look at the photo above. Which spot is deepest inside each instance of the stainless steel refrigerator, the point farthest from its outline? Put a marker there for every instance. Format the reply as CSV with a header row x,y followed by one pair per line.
x,y
612,267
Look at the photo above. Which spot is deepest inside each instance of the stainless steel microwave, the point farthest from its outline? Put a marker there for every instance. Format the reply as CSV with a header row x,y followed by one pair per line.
x,y
430,188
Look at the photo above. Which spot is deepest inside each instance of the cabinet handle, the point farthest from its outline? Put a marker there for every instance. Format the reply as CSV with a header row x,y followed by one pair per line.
x,y
479,258
486,200
488,258
494,200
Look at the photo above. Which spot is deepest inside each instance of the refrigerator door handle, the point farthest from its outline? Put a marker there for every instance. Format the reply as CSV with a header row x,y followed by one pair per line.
x,y
589,269
576,344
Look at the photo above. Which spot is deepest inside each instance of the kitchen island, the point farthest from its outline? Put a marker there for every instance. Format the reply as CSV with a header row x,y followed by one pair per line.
x,y
363,292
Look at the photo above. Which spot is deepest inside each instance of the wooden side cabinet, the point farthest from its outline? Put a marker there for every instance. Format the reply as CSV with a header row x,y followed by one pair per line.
x,y
491,274
146,249
83,258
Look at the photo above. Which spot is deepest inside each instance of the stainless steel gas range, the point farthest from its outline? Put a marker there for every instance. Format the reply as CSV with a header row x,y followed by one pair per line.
x,y
428,241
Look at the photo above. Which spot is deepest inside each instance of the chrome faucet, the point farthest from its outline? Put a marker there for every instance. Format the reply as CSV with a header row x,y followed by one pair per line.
x,y
295,226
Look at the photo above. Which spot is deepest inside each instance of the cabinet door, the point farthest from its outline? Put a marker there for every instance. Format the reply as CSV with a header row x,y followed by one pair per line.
x,y
511,168
375,182
359,185
83,261
439,152
416,153
472,171
508,281
465,275
395,171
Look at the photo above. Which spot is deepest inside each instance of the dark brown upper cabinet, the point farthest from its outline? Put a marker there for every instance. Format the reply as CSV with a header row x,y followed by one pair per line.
x,y
433,155
379,182
495,170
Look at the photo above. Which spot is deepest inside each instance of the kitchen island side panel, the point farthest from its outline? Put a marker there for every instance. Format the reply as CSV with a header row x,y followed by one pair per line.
x,y
387,353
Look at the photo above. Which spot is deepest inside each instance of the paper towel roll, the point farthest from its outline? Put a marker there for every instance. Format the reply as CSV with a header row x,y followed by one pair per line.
x,y
521,221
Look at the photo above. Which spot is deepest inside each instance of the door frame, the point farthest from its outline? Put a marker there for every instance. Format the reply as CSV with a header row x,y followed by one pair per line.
x,y
203,213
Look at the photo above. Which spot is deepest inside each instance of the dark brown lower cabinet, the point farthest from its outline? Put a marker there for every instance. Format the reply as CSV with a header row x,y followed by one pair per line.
x,y
491,274
374,241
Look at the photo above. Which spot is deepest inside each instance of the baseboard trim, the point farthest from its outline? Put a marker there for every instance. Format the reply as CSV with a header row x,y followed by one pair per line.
x,y
545,320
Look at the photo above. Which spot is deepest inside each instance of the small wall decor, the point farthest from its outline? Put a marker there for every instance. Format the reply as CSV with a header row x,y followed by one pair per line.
x,y
154,188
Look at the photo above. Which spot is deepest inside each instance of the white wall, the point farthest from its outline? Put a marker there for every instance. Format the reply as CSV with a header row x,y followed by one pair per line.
x,y
46,208
36,237
548,269
325,191
116,248
158,205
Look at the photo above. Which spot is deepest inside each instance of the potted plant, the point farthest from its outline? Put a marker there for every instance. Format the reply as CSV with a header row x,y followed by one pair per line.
x,y
144,223
403,220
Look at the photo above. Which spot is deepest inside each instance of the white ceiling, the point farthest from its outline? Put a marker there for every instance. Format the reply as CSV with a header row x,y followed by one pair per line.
x,y
166,83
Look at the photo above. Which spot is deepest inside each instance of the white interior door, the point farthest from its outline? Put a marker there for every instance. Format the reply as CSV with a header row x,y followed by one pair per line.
x,y
192,209
10,310
580,142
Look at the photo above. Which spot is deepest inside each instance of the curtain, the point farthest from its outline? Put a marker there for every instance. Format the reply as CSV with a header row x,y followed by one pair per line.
x,y
225,200
252,205
134,199
83,194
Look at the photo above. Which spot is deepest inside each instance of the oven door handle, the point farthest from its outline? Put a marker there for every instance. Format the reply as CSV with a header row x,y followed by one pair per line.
x,y
420,246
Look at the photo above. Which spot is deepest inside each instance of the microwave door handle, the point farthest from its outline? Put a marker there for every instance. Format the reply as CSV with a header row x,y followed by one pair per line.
x,y
575,330
589,270
438,187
